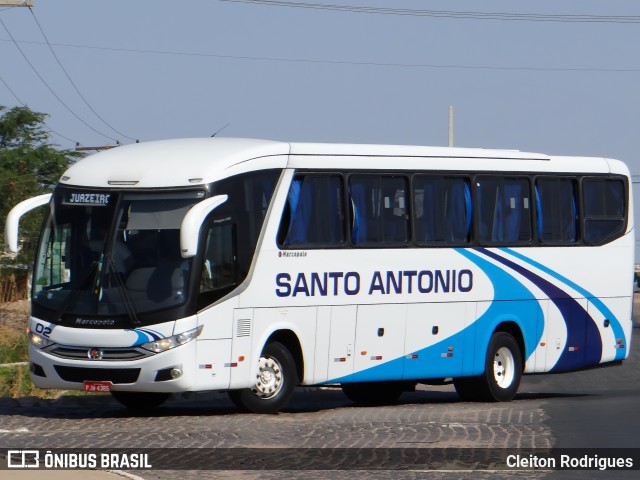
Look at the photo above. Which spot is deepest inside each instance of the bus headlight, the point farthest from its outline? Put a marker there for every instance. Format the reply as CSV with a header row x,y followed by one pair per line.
x,y
158,346
39,341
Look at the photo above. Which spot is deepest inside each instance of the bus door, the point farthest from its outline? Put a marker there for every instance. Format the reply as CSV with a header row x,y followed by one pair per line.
x,y
435,339
379,348
613,334
341,341
538,359
567,346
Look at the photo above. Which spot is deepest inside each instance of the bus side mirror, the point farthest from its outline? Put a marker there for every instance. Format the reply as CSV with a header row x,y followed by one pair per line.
x,y
13,220
192,221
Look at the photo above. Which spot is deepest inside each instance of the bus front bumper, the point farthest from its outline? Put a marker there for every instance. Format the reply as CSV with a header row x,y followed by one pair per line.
x,y
169,371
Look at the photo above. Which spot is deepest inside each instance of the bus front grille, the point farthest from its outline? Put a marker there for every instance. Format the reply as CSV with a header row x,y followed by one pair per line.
x,y
113,375
113,354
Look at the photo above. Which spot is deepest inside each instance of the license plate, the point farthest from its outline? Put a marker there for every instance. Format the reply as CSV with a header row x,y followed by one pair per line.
x,y
97,387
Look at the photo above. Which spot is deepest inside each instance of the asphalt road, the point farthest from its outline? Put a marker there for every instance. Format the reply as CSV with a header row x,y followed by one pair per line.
x,y
596,409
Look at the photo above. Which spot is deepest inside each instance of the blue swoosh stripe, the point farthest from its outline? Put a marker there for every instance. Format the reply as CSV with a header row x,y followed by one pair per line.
x,y
507,288
145,335
473,339
142,338
152,334
604,310
576,318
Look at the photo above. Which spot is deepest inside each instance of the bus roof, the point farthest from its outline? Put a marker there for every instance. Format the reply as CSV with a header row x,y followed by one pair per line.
x,y
407,151
174,163
197,161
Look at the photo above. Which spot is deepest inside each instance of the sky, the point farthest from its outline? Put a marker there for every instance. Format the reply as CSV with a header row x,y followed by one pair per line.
x,y
154,69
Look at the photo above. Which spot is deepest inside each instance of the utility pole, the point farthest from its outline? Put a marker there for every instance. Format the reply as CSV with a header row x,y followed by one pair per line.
x,y
450,126
97,149
16,3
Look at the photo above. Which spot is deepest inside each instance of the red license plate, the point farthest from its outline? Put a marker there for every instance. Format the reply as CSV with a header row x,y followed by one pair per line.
x,y
97,387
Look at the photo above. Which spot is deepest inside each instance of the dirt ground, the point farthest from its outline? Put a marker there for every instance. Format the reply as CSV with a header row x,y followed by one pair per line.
x,y
14,314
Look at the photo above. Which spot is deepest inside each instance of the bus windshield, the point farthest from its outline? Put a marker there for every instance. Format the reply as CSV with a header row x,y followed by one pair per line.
x,y
113,253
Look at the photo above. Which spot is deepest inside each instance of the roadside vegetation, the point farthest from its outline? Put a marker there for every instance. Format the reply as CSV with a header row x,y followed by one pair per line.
x,y
14,380
30,164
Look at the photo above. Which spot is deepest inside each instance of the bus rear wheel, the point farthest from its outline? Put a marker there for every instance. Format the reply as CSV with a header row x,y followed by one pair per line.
x,y
275,382
141,400
502,373
373,393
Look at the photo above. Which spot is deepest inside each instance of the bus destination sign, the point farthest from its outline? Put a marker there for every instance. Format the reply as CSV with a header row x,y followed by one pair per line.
x,y
87,198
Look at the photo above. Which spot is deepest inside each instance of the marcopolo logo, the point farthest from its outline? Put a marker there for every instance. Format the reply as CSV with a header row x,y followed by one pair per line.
x,y
95,354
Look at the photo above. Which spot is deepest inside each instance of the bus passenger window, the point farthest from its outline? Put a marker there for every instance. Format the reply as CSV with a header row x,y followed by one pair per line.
x,y
556,209
379,209
314,213
504,210
442,210
604,209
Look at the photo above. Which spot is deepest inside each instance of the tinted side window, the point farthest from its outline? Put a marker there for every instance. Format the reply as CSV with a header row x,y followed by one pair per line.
x,y
231,232
442,210
379,209
314,213
604,209
556,209
504,210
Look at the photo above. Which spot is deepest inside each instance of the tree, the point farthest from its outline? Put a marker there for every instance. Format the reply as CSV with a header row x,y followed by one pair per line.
x,y
29,165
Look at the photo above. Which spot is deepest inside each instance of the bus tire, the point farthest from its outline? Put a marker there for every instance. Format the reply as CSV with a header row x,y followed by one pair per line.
x,y
373,393
502,373
468,388
275,382
140,400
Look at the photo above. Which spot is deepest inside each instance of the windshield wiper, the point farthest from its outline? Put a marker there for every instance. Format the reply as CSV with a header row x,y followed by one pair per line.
x,y
124,293
75,292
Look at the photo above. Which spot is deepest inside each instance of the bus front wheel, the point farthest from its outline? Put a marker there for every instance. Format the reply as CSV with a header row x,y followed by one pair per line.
x,y
502,373
275,382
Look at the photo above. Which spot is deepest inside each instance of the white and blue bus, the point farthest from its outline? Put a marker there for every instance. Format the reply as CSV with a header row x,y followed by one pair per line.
x,y
254,266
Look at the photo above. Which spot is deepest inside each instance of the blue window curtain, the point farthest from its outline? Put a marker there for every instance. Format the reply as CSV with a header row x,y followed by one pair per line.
x,y
458,214
604,209
379,209
469,209
504,210
556,210
359,224
512,202
429,208
445,209
540,212
293,198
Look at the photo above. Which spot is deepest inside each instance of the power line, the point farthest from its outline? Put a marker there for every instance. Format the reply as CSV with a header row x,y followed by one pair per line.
x,y
11,91
529,17
71,81
48,87
24,105
343,62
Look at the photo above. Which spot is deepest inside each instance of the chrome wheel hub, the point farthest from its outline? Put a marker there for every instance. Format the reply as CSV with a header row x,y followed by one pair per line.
x,y
269,378
504,367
